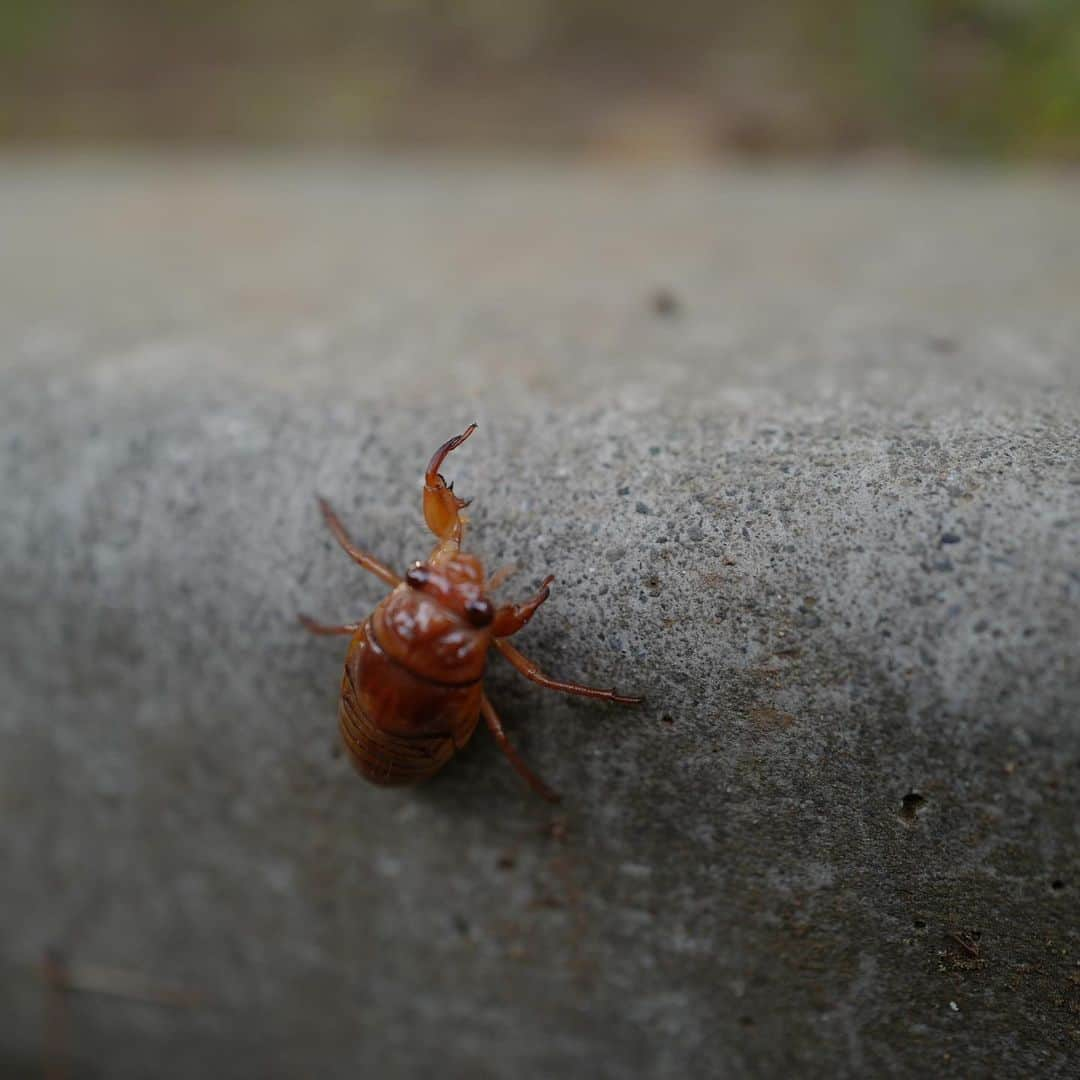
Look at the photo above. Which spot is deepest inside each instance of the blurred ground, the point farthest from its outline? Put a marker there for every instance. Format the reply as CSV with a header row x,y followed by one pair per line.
x,y
637,80
820,503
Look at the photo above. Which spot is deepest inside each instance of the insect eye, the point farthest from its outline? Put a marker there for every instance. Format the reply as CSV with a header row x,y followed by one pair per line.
x,y
479,612
417,576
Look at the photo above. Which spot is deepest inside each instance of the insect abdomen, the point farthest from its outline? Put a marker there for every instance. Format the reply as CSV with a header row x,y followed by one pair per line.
x,y
398,727
389,759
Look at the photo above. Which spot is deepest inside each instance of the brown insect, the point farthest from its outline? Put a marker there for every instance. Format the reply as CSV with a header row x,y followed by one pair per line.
x,y
412,692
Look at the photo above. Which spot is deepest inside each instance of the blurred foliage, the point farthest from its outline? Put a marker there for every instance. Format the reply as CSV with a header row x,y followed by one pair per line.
x,y
701,77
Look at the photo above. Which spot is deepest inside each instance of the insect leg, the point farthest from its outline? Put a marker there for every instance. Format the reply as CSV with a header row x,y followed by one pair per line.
x,y
496,729
321,628
510,619
531,671
499,577
361,558
442,508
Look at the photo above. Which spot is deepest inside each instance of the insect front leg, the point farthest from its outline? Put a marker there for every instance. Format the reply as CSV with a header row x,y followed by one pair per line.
x,y
511,618
442,508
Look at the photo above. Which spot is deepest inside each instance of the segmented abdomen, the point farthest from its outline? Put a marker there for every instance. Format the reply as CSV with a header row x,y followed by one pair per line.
x,y
398,727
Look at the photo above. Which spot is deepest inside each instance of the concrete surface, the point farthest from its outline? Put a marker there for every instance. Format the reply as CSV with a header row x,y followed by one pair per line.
x,y
824,514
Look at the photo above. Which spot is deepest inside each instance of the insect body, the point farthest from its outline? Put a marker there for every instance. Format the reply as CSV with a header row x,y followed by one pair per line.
x,y
412,692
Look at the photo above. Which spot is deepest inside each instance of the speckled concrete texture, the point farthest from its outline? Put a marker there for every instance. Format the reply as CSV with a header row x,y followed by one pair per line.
x,y
822,507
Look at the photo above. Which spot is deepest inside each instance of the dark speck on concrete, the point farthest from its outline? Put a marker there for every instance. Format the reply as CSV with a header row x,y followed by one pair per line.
x,y
665,302
942,344
623,491
950,538
641,508
910,806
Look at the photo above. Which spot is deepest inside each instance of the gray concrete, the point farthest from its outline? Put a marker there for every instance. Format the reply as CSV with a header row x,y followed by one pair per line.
x,y
825,515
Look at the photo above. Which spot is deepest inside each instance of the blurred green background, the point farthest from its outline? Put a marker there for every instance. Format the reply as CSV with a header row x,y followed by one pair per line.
x,y
991,78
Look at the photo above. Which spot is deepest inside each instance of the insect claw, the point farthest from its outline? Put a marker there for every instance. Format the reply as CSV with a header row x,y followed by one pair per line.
x,y
441,505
